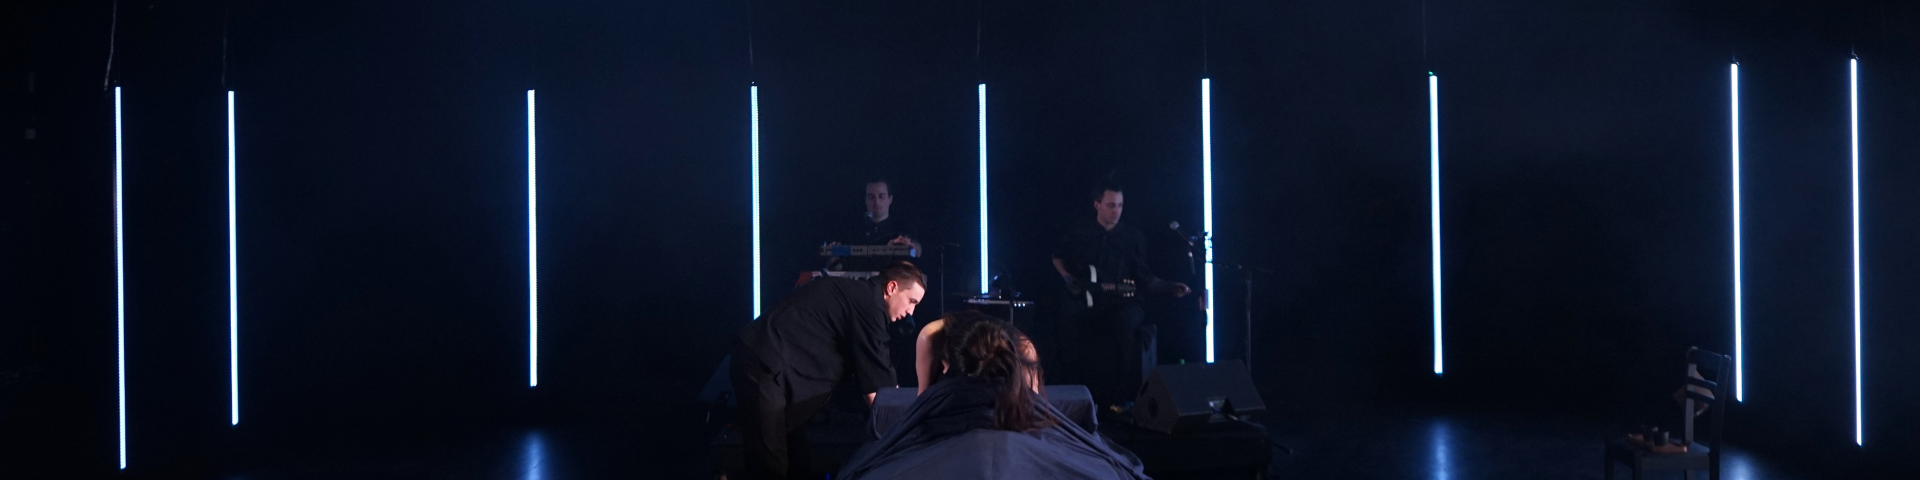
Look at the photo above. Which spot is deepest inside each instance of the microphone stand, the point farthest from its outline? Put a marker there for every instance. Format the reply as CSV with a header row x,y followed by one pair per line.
x,y
1246,274
943,292
943,278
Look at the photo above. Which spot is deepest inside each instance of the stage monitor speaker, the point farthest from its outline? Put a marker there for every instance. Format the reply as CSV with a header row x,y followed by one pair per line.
x,y
1181,398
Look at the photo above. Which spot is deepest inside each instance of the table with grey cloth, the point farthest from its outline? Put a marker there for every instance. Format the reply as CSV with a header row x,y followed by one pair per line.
x,y
889,404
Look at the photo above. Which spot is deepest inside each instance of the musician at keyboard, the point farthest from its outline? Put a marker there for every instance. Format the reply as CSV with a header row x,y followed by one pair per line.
x,y
879,226
1103,263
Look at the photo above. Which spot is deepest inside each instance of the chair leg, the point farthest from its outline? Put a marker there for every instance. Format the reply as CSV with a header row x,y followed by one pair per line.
x,y
1607,473
1639,471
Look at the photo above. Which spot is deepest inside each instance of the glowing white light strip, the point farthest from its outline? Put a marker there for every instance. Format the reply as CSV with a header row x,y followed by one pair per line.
x,y
533,254
1853,98
753,93
1739,347
985,279
1433,134
233,278
120,277
1206,197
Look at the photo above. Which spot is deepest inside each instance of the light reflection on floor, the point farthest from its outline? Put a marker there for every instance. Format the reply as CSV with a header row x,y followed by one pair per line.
x,y
533,457
1440,442
1478,446
1738,465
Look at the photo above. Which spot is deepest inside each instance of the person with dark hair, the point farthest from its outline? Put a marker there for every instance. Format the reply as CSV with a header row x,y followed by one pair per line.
x,y
984,418
1103,262
788,361
878,227
934,358
982,346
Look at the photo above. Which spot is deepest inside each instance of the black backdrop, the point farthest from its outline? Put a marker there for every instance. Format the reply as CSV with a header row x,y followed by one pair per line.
x,y
382,198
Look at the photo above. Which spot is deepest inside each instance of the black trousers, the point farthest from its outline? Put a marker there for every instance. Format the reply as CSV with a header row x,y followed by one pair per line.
x,y
1104,348
772,421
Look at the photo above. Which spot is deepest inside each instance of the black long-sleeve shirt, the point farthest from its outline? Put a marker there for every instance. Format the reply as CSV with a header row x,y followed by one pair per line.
x,y
822,330
865,231
1119,254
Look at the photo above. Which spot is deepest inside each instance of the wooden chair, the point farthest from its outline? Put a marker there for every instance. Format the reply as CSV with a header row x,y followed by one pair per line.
x,y
1700,454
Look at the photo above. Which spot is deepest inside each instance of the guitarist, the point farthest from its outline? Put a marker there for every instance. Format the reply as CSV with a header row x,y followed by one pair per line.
x,y
1102,263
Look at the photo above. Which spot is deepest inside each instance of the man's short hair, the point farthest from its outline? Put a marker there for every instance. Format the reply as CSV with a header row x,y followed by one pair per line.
x,y
1100,190
880,180
903,272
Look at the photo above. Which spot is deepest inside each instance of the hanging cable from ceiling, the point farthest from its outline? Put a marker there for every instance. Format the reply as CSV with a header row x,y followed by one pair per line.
x,y
113,30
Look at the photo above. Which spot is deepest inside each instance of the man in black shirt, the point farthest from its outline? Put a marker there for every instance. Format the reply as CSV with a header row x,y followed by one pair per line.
x,y
1097,259
790,359
878,227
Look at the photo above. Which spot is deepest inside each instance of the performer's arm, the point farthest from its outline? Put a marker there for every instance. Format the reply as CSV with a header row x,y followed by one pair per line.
x,y
905,240
871,358
1150,282
1061,248
925,358
907,236
832,262
1073,281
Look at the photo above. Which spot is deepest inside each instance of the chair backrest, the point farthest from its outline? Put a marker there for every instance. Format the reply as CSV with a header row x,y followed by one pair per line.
x,y
1714,370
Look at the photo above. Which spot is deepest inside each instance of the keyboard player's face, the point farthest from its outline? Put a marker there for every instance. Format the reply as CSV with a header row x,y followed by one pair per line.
x,y
879,199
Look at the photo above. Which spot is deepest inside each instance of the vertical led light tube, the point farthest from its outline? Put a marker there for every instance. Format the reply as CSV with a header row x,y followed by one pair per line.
x,y
1853,99
986,279
533,252
120,277
1206,198
753,101
233,278
1739,340
1433,166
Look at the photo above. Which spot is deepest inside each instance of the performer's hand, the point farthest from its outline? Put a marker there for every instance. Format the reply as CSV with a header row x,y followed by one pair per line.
x,y
870,398
1181,289
900,240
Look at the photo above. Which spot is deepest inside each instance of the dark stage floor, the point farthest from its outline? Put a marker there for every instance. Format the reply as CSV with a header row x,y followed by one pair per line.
x,y
1383,444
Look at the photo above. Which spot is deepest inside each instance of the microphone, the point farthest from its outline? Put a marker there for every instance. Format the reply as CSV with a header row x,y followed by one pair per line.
x,y
1175,226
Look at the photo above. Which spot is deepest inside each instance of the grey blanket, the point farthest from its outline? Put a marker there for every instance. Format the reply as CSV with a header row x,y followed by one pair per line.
x,y
948,434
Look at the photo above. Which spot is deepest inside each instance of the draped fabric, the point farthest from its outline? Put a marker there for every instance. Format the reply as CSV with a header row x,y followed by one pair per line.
x,y
948,434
